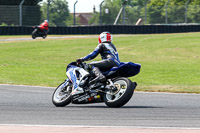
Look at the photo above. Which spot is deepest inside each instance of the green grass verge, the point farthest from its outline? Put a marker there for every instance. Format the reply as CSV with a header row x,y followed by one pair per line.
x,y
170,62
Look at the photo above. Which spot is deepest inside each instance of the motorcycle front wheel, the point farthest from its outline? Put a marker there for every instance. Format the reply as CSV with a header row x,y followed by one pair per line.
x,y
122,94
34,34
62,95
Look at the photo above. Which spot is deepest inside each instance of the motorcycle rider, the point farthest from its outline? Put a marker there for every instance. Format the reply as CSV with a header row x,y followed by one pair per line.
x,y
109,56
44,27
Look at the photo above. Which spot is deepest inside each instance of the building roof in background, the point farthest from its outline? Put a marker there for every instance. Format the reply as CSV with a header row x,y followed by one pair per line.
x,y
84,17
87,16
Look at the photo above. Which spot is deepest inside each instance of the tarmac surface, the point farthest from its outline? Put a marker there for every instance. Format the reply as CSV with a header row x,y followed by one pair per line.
x,y
30,107
40,38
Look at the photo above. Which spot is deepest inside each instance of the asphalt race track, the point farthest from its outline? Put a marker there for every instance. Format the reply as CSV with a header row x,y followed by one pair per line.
x,y
52,37
26,109
40,38
33,106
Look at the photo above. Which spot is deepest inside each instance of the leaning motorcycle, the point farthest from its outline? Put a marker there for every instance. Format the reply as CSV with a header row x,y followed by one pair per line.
x,y
115,92
38,33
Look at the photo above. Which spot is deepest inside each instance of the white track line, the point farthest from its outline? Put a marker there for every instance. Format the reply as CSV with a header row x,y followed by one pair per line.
x,y
167,93
90,126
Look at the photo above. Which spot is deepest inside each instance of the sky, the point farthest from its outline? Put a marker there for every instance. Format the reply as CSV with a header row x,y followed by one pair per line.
x,y
84,5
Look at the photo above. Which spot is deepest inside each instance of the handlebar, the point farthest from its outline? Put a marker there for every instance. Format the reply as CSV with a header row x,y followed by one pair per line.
x,y
83,65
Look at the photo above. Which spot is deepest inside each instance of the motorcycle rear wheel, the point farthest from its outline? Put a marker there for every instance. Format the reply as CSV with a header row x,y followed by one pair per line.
x,y
62,95
44,36
124,92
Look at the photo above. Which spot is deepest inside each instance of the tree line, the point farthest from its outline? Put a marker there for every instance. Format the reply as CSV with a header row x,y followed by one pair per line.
x,y
151,11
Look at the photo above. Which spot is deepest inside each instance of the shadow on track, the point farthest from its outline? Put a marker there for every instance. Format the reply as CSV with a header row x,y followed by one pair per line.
x,y
141,107
110,107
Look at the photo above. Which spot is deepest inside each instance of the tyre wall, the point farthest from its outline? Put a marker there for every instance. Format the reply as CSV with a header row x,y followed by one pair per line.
x,y
114,29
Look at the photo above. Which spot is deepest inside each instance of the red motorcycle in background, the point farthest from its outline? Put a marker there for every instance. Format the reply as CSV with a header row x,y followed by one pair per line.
x,y
38,33
41,31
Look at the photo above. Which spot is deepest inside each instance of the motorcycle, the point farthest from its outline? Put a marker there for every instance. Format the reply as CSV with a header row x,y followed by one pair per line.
x,y
115,92
38,33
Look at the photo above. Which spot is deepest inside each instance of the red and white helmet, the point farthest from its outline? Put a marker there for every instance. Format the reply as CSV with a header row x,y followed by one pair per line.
x,y
105,37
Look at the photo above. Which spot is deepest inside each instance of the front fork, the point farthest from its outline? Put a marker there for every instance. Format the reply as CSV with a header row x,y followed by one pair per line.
x,y
66,83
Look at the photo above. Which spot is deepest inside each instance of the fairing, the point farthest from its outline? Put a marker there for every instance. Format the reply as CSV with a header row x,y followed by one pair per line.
x,y
125,69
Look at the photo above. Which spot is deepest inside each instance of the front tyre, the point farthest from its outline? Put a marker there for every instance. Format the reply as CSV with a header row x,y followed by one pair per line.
x,y
33,36
62,95
34,33
122,94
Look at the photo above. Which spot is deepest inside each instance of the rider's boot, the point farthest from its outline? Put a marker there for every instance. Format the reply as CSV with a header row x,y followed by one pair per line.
x,y
78,90
99,76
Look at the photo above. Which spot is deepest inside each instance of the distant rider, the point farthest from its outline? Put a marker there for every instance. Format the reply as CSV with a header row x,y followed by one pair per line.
x,y
44,27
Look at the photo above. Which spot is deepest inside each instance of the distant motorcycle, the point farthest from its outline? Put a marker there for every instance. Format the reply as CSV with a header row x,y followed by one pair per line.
x,y
115,92
38,33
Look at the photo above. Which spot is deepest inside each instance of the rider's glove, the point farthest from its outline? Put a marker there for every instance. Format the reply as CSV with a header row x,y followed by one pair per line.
x,y
78,61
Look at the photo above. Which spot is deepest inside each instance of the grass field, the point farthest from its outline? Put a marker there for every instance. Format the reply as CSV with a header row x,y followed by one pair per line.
x,y
170,62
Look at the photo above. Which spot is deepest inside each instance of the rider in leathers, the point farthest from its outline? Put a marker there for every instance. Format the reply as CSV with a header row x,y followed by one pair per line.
x,y
108,54
44,27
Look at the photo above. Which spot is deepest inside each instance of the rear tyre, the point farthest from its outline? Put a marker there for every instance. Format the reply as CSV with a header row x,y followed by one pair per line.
x,y
122,94
44,36
62,95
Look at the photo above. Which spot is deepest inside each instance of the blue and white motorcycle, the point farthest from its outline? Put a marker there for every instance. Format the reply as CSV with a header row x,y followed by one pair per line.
x,y
116,91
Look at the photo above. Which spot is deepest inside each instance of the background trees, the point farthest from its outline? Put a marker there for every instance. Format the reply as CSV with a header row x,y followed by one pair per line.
x,y
154,11
58,13
151,11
